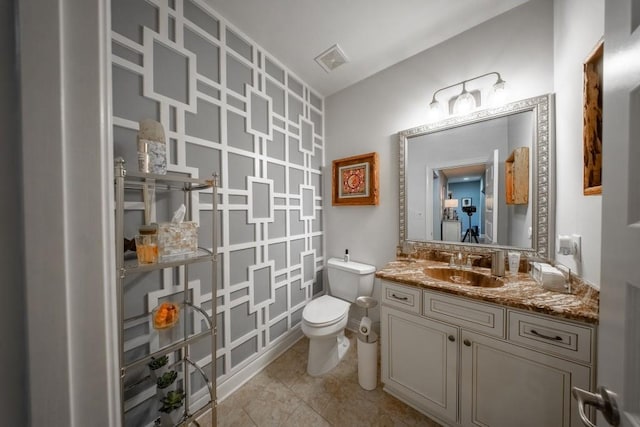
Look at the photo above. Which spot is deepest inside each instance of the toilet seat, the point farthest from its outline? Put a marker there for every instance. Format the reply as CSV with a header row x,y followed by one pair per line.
x,y
325,311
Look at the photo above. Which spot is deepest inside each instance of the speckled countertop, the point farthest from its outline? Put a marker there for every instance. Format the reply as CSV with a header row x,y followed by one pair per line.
x,y
519,291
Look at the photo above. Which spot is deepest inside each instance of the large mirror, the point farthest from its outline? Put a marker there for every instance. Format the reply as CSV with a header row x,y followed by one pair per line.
x,y
481,180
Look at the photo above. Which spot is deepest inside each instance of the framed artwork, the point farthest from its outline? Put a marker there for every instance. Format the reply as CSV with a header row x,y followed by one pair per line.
x,y
466,202
592,121
355,180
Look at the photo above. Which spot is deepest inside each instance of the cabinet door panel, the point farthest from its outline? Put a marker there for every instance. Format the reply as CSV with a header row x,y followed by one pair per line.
x,y
419,361
504,385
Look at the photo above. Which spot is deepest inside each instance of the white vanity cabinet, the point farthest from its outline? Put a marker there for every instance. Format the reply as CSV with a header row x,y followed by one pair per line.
x,y
471,363
420,361
506,385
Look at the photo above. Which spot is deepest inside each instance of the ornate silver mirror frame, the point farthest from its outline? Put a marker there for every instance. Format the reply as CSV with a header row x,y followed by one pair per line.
x,y
542,174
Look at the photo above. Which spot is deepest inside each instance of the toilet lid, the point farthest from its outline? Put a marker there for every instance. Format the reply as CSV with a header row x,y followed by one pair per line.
x,y
325,310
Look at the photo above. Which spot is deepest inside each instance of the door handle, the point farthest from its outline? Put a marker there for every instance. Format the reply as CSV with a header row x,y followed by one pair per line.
x,y
546,337
603,400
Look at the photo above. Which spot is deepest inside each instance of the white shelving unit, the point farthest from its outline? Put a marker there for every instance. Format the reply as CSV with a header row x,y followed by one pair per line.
x,y
177,339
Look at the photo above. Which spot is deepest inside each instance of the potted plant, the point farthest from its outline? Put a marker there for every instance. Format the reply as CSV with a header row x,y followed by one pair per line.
x,y
166,379
170,410
158,367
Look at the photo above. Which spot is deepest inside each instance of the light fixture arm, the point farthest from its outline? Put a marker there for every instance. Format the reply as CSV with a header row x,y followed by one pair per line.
x,y
464,82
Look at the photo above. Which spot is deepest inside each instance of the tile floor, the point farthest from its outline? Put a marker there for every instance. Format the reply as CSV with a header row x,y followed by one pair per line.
x,y
283,394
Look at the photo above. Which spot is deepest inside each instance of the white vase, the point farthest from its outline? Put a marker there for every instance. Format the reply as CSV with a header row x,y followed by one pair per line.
x,y
161,392
157,373
172,418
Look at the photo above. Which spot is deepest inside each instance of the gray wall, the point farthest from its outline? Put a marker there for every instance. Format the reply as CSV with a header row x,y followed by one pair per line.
x,y
367,116
578,26
228,108
68,203
12,305
538,48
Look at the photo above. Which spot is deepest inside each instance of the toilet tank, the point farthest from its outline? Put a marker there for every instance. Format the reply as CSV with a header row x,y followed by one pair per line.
x,y
349,279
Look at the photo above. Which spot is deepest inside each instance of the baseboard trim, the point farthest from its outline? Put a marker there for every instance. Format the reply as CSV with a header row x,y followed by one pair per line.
x,y
409,401
237,380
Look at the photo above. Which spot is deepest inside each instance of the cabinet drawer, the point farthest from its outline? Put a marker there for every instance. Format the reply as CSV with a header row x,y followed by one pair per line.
x,y
487,319
403,297
551,336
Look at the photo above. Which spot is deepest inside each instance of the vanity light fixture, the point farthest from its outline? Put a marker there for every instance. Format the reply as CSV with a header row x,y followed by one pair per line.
x,y
465,101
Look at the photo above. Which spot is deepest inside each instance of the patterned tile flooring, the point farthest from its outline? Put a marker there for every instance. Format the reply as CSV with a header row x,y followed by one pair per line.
x,y
283,394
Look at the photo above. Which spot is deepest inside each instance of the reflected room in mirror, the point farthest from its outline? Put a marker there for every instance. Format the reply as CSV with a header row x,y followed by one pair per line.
x,y
484,179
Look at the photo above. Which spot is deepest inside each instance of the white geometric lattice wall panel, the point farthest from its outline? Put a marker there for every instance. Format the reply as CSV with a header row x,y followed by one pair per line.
x,y
262,288
308,267
308,203
260,117
228,107
260,200
306,135
166,63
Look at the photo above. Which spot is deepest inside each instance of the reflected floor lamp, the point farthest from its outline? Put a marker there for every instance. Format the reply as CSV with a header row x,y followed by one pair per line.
x,y
448,205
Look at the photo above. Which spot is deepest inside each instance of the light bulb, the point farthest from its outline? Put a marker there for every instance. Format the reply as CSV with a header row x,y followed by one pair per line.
x,y
465,102
499,95
435,111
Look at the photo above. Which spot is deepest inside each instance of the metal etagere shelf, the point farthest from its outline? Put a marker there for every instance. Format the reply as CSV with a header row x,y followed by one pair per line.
x,y
183,334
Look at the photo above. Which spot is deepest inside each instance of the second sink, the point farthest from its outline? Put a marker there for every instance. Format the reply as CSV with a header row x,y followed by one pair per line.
x,y
463,277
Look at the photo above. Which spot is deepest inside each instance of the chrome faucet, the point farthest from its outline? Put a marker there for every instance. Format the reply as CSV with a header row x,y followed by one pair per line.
x,y
458,260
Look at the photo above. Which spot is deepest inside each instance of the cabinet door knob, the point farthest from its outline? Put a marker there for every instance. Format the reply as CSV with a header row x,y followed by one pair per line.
x,y
452,338
467,343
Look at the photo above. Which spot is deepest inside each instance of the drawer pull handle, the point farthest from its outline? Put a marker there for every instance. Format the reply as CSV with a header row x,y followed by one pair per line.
x,y
400,298
546,337
452,338
467,343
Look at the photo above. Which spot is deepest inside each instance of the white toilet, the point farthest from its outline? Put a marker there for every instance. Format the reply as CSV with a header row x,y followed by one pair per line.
x,y
324,318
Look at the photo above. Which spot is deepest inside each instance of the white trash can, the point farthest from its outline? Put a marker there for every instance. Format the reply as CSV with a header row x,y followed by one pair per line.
x,y
367,347
368,361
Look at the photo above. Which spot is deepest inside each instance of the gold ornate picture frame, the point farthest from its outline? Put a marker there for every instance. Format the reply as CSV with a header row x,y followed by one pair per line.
x,y
592,121
355,180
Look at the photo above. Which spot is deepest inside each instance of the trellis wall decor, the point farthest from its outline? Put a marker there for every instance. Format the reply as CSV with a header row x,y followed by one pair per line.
x,y
229,108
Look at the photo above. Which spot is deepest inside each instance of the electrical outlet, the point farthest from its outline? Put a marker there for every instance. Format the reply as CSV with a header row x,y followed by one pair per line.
x,y
577,246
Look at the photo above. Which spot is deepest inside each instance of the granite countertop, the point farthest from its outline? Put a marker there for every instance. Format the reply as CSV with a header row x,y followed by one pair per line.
x,y
519,291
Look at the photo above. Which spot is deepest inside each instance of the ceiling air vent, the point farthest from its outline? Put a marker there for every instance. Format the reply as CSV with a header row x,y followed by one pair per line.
x,y
331,58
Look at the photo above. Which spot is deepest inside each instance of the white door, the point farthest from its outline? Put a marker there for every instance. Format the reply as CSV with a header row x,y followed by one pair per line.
x,y
619,328
491,176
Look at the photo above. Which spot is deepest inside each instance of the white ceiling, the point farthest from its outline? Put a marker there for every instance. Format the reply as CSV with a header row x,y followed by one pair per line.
x,y
374,34
464,173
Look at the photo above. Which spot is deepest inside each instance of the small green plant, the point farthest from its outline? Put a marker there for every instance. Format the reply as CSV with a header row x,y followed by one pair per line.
x,y
158,363
167,379
172,401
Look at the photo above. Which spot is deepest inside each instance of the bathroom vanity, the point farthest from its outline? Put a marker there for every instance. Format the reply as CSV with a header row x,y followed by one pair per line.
x,y
486,356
